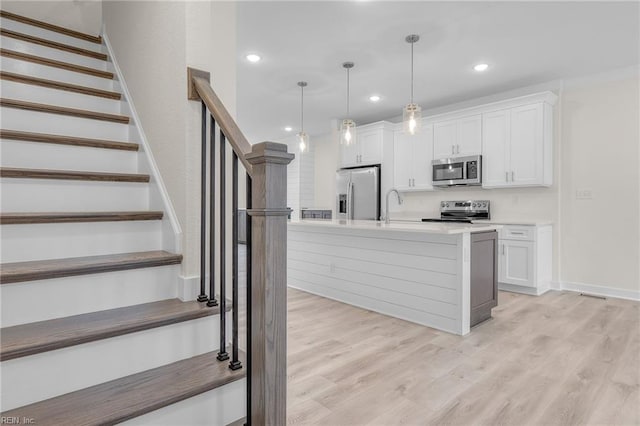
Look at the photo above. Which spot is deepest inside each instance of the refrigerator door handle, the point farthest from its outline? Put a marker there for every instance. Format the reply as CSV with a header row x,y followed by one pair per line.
x,y
350,201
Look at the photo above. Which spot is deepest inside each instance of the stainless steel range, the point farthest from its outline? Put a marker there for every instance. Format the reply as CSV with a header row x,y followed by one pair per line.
x,y
462,211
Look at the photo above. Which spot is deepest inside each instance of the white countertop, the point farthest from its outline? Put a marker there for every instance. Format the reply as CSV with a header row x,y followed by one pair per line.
x,y
406,226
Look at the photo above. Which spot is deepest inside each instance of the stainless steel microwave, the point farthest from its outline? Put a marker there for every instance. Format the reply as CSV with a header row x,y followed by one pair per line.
x,y
457,171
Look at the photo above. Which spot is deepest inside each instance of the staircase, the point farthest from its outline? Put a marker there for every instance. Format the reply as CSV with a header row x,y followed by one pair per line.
x,y
93,331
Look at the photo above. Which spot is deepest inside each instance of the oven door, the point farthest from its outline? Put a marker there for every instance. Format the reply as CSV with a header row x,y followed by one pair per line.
x,y
449,171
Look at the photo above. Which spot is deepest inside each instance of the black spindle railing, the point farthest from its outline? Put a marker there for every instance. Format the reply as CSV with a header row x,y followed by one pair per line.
x,y
235,358
212,215
222,353
203,206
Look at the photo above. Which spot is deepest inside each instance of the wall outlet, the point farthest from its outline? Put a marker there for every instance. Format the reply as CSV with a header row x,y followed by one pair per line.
x,y
584,194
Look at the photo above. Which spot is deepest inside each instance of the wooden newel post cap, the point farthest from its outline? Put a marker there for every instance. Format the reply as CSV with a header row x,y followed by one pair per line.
x,y
269,152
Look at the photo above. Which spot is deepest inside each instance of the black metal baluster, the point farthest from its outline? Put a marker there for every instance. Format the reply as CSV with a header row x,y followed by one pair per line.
x,y
248,290
222,353
212,217
203,206
235,361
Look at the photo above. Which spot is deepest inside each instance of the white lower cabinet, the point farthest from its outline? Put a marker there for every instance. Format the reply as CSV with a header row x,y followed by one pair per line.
x,y
525,256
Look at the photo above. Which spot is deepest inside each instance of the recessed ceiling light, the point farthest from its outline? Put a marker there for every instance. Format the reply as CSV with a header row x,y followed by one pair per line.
x,y
374,98
481,67
288,129
253,58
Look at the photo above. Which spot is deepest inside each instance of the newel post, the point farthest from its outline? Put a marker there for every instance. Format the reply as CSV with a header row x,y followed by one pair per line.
x,y
269,283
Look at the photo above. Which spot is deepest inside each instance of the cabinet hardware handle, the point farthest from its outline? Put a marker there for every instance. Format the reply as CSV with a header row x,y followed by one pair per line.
x,y
512,176
409,182
453,149
457,149
517,233
506,176
414,182
503,249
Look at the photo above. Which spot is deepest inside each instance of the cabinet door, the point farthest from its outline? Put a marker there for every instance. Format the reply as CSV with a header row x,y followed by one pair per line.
x,y
444,139
422,151
402,160
526,145
349,155
495,149
469,136
516,263
370,146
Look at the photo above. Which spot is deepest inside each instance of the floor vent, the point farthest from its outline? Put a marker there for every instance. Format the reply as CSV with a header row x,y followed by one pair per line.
x,y
593,295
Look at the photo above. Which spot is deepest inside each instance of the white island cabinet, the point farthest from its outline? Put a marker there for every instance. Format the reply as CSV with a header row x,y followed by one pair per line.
x,y
413,271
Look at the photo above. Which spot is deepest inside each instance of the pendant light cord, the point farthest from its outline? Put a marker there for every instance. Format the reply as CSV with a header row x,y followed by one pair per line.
x,y
302,109
412,72
348,92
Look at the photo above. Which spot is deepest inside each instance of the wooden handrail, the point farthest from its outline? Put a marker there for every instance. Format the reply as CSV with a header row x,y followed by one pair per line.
x,y
234,135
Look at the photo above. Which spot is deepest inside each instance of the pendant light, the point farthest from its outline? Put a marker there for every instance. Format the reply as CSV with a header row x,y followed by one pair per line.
x,y
412,113
303,138
348,127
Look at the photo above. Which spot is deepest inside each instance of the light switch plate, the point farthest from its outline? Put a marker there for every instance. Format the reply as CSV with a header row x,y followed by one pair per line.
x,y
584,194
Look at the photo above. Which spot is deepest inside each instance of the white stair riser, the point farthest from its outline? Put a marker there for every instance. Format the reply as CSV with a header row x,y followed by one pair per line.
x,y
51,53
33,378
18,66
63,98
42,300
19,27
60,240
40,122
48,195
37,155
218,407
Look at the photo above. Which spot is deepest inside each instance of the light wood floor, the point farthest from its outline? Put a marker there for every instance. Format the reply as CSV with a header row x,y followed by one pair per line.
x,y
555,359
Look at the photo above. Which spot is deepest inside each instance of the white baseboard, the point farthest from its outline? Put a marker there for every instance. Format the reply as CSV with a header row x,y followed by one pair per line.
x,y
599,290
596,290
532,291
188,288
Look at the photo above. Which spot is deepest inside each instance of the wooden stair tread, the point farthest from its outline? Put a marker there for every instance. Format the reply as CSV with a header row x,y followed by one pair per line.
x,y
56,64
37,337
66,140
68,217
20,173
52,84
53,44
51,27
56,268
131,396
54,109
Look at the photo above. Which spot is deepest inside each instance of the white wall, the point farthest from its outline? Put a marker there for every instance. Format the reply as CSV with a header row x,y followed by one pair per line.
x,y
79,15
597,122
154,42
600,152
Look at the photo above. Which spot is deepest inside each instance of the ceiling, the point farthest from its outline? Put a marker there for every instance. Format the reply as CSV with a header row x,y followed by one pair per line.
x,y
524,43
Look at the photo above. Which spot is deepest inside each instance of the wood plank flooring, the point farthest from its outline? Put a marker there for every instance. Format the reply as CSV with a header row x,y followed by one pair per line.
x,y
557,359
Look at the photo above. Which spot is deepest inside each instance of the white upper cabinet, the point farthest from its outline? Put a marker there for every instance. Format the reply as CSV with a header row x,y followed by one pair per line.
x,y
459,137
367,148
516,146
412,160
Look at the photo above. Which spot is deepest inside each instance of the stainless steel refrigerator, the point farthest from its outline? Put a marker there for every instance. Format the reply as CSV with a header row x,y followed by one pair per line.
x,y
358,193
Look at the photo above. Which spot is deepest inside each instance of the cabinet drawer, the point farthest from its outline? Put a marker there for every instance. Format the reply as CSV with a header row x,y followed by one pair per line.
x,y
523,233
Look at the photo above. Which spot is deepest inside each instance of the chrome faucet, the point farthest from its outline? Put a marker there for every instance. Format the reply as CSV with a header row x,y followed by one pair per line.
x,y
386,219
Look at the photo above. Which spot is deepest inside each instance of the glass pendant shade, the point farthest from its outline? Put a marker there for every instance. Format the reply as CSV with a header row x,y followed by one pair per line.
x,y
412,113
347,132
412,119
303,142
302,138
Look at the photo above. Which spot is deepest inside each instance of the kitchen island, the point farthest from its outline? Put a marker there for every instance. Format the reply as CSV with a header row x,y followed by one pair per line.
x,y
419,272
